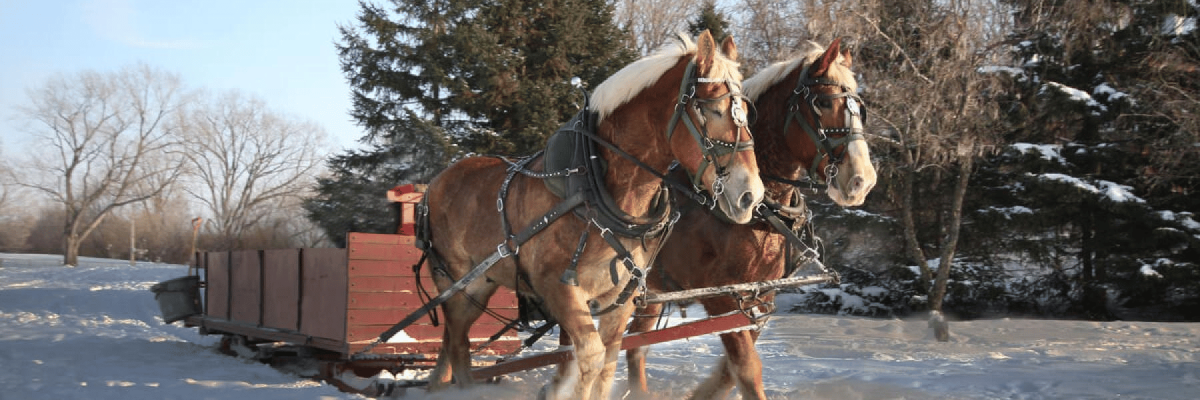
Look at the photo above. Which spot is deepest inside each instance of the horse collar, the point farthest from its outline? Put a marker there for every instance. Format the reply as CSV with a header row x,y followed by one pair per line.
x,y
574,148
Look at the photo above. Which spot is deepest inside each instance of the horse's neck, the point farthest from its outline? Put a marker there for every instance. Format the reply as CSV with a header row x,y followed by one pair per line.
x,y
632,187
775,159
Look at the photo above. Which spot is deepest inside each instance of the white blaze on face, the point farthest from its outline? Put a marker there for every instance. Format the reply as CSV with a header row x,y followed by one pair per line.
x,y
742,192
856,175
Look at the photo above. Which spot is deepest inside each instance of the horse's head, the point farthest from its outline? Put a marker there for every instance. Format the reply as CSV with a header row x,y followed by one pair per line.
x,y
709,133
693,90
823,120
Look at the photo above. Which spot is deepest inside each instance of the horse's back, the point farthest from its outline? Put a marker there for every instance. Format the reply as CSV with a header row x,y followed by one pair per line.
x,y
465,176
462,203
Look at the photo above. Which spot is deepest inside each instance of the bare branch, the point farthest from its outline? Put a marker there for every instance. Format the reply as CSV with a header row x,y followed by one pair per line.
x,y
247,161
101,143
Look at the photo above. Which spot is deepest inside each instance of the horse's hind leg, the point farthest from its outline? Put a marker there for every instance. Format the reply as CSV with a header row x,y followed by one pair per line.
x,y
460,312
635,359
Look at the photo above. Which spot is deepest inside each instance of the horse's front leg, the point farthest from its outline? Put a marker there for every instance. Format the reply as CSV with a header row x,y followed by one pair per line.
x,y
744,363
635,359
612,330
575,378
718,385
740,365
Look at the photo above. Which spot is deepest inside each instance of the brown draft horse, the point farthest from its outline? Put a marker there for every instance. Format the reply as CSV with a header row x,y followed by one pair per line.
x,y
649,110
705,251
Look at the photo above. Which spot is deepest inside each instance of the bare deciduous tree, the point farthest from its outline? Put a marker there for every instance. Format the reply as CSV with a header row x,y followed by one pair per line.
x,y
248,161
102,141
14,227
921,62
935,102
6,179
651,23
768,31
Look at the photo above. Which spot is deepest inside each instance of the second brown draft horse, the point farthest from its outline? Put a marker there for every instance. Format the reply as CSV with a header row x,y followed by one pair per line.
x,y
682,103
809,122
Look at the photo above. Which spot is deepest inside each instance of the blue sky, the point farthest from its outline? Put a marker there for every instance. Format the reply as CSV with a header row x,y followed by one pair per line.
x,y
281,51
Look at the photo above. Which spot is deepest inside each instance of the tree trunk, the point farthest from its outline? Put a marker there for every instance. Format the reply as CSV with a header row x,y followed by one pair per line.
x,y
941,328
1086,245
910,227
71,250
71,238
132,242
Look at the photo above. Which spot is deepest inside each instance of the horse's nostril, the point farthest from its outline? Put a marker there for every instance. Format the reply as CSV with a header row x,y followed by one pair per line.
x,y
746,201
856,184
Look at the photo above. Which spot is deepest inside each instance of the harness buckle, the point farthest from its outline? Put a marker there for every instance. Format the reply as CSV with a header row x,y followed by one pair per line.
x,y
504,251
638,272
684,99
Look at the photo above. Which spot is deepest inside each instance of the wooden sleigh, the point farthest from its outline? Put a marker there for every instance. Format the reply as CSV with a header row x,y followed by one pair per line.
x,y
330,305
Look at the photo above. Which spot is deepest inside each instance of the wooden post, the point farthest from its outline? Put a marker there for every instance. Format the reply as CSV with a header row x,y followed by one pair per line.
x,y
196,222
132,242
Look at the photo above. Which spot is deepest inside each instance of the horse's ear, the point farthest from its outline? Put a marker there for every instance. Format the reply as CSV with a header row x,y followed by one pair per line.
x,y
847,59
706,52
729,48
827,59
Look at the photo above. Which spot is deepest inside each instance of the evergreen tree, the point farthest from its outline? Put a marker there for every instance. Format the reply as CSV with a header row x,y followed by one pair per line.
x,y
352,198
398,62
710,19
517,58
434,80
1097,93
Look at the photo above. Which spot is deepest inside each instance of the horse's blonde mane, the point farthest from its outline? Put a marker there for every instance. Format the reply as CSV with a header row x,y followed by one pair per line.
x,y
772,74
624,85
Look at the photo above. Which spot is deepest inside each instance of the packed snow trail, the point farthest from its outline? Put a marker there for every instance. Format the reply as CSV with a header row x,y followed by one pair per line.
x,y
94,332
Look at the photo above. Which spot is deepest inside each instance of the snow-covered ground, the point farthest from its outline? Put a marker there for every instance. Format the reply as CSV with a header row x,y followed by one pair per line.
x,y
94,332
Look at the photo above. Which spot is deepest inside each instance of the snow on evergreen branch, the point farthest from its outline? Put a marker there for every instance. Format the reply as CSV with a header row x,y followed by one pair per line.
x,y
1115,192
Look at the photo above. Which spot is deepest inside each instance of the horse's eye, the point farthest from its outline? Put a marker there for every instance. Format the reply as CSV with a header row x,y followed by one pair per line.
x,y
825,103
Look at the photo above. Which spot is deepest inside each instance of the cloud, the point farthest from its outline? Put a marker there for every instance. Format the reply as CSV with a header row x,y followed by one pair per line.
x,y
120,21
